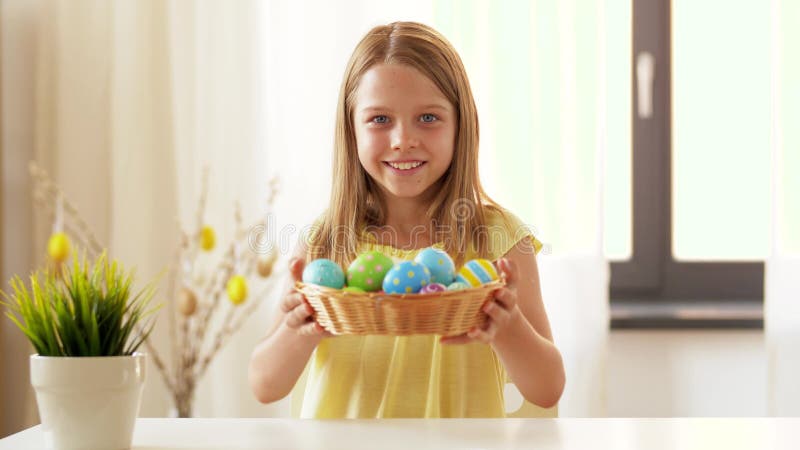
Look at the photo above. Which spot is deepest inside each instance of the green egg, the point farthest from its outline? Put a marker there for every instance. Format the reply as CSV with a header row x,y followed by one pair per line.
x,y
457,286
367,271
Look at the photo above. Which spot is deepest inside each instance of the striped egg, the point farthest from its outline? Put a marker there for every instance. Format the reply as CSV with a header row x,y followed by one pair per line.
x,y
406,277
477,272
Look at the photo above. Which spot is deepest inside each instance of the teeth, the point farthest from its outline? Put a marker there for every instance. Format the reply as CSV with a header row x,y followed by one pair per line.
x,y
406,165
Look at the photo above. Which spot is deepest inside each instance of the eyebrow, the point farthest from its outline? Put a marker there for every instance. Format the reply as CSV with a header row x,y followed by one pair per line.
x,y
384,108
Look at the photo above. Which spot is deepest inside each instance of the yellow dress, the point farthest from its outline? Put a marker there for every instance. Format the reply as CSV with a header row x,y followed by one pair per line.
x,y
410,376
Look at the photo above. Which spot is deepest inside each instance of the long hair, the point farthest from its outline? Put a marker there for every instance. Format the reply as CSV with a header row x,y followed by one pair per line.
x,y
459,208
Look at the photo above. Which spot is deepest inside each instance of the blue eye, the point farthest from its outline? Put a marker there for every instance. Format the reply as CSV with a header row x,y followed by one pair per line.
x,y
380,119
429,118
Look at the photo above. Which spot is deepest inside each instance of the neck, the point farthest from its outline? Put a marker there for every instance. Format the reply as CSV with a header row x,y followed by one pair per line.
x,y
406,223
406,215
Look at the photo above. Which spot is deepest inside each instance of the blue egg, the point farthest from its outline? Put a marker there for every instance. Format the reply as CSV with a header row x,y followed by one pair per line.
x,y
442,268
324,272
406,277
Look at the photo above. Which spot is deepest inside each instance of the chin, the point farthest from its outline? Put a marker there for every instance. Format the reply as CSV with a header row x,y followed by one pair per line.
x,y
405,194
411,190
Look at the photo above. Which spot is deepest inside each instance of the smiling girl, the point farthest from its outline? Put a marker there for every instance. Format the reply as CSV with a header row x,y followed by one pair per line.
x,y
406,178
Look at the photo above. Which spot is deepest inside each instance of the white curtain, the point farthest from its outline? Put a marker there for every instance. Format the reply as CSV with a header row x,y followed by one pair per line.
x,y
542,156
103,128
782,290
131,100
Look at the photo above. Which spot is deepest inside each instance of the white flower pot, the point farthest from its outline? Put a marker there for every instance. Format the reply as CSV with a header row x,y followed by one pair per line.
x,y
88,402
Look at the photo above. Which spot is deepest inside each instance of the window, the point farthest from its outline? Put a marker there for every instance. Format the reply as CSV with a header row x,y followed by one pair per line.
x,y
700,156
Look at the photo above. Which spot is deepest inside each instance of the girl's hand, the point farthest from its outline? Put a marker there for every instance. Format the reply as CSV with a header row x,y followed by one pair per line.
x,y
299,315
502,310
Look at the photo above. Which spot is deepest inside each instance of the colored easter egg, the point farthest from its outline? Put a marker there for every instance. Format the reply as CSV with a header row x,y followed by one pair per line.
x,y
187,302
457,286
207,238
406,277
237,289
324,272
58,247
477,272
354,289
265,264
368,270
442,268
432,288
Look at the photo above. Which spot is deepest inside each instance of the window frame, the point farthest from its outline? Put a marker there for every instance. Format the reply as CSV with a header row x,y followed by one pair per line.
x,y
652,275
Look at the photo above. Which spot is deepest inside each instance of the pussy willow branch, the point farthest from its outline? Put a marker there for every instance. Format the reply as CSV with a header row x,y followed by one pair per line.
x,y
187,341
43,181
172,292
70,229
233,323
226,270
247,261
160,365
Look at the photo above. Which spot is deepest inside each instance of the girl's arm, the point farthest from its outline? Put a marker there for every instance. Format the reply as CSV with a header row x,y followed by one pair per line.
x,y
519,332
525,344
280,358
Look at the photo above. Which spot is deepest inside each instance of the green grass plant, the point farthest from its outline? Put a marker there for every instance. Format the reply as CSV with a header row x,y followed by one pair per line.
x,y
85,310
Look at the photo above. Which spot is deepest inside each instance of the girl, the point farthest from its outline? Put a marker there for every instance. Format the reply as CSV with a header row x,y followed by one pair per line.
x,y
405,178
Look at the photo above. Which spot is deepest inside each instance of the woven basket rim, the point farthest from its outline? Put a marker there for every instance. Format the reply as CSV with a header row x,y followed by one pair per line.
x,y
373,296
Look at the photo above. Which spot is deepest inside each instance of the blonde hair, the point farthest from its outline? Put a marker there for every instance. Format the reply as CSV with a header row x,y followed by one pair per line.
x,y
459,207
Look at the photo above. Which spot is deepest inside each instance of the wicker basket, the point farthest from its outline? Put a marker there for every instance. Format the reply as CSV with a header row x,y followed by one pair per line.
x,y
443,313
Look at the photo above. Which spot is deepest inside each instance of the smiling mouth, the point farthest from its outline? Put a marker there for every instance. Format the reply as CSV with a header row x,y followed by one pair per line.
x,y
404,165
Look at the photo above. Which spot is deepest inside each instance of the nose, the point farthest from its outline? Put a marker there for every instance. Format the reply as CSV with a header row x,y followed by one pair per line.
x,y
404,137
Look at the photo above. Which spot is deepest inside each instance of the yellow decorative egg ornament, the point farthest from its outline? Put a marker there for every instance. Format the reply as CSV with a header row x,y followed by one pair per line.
x,y
237,289
207,238
58,247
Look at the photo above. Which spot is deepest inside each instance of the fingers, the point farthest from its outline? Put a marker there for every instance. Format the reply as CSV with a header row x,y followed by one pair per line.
x,y
475,334
507,298
299,316
498,314
313,329
292,301
456,340
297,310
508,270
486,336
296,266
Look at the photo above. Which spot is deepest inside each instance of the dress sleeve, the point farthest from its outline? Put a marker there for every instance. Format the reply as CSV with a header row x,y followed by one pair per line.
x,y
506,230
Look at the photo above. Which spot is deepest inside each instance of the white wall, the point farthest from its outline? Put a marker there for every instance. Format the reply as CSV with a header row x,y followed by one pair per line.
x,y
687,373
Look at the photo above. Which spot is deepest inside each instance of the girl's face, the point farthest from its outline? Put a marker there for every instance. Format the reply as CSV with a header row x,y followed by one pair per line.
x,y
405,129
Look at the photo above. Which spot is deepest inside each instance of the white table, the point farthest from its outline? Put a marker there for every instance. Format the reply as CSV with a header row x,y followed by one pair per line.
x,y
416,434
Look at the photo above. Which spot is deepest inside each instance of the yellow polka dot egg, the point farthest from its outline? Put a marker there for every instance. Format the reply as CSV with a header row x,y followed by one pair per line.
x,y
407,277
477,272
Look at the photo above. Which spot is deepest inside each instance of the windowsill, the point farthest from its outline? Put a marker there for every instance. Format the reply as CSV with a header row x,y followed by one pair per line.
x,y
681,314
